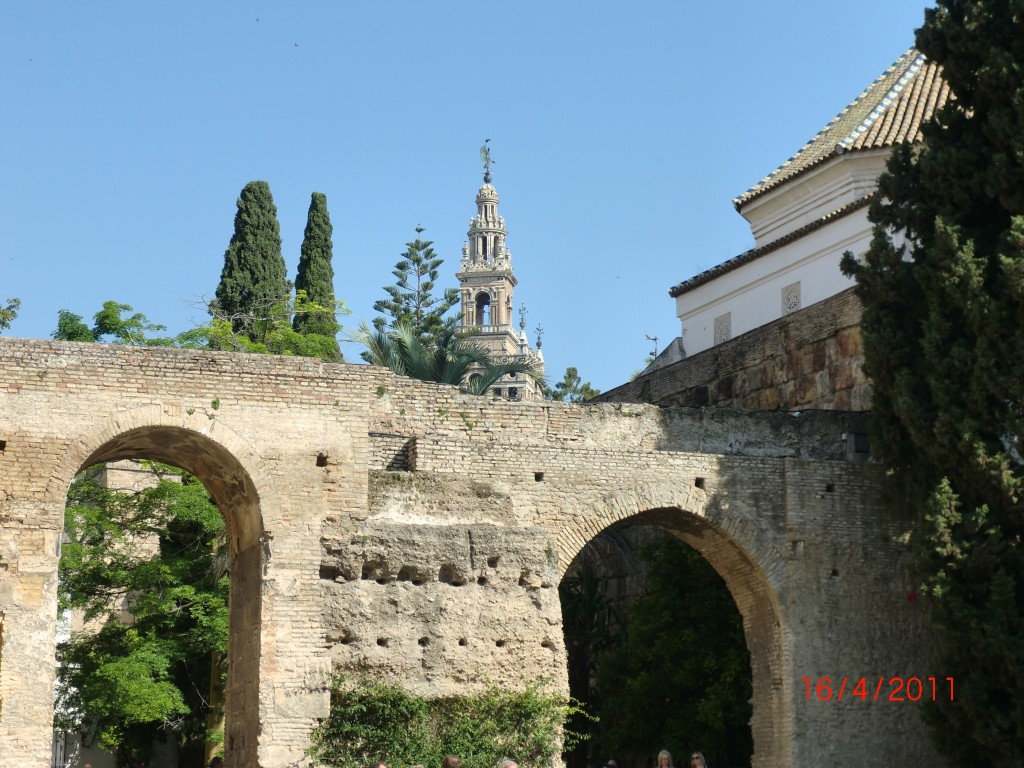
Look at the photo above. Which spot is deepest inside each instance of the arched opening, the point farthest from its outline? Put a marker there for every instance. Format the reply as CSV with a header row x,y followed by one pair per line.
x,y
483,308
150,655
687,658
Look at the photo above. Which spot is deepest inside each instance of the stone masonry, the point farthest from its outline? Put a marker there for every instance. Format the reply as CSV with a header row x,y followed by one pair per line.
x,y
401,528
812,358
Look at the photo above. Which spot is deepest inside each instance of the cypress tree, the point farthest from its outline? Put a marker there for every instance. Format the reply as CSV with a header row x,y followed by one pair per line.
x,y
943,330
315,277
254,278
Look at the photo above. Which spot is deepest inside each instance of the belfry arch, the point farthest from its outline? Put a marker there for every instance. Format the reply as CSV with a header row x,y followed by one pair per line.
x,y
755,599
232,489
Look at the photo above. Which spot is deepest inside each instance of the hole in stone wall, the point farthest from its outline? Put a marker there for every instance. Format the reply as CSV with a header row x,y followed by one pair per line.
x,y
3,445
382,642
423,642
835,573
699,482
500,643
492,562
449,575
382,581
547,644
329,572
538,476
481,580
374,570
829,488
462,641
321,459
412,574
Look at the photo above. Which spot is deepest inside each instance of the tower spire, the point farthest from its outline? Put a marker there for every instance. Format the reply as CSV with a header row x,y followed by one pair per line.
x,y
486,284
485,156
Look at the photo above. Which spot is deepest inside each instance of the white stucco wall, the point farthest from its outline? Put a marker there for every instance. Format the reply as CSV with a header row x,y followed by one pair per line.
x,y
751,295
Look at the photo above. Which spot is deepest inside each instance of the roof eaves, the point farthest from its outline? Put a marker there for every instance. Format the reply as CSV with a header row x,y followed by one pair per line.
x,y
754,253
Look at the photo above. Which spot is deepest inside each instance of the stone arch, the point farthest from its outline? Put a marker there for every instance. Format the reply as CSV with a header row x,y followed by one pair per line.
x,y
234,477
744,562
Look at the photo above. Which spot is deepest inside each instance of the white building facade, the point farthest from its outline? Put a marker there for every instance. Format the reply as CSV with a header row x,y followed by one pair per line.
x,y
808,212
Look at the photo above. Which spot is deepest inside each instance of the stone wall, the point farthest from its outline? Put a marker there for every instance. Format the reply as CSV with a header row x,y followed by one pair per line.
x,y
811,359
407,530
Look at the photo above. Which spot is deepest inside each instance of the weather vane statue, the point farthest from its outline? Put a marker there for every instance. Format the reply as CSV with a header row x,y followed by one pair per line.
x,y
485,157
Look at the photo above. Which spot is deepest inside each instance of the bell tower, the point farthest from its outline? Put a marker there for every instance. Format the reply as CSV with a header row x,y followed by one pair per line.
x,y
486,285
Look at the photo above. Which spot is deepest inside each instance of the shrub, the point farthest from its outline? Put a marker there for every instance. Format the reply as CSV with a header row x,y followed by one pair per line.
x,y
372,721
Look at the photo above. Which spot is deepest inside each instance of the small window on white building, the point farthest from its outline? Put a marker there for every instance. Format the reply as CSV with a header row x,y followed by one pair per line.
x,y
723,327
791,298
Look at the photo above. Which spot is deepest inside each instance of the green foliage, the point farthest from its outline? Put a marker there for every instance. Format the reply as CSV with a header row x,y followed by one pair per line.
x,y
8,313
111,321
254,277
447,359
571,388
681,677
272,332
158,556
372,721
315,277
410,301
943,329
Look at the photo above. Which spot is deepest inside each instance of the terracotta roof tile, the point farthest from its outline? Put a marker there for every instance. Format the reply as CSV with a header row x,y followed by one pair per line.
x,y
889,111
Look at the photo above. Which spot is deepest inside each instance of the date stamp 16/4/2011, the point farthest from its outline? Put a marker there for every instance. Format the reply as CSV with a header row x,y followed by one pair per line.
x,y
885,689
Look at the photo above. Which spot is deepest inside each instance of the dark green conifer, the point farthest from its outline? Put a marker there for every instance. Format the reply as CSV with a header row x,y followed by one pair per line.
x,y
943,330
254,278
410,301
314,281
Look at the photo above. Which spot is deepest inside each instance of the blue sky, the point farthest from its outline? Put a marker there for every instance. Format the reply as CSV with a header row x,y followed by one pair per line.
x,y
620,134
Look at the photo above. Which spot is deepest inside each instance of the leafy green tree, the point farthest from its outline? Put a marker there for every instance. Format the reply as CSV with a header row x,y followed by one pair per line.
x,y
943,329
159,556
682,676
571,388
9,313
411,301
272,332
449,359
254,277
315,276
110,321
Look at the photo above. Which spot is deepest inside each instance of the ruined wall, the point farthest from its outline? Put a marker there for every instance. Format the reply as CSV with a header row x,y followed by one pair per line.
x,y
379,522
810,359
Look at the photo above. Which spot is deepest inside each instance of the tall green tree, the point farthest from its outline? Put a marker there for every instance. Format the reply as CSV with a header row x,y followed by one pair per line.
x,y
943,329
8,313
315,276
411,301
254,277
158,555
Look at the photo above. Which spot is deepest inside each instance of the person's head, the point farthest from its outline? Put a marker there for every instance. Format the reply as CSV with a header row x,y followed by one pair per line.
x,y
379,765
508,762
664,759
451,761
611,764
697,761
